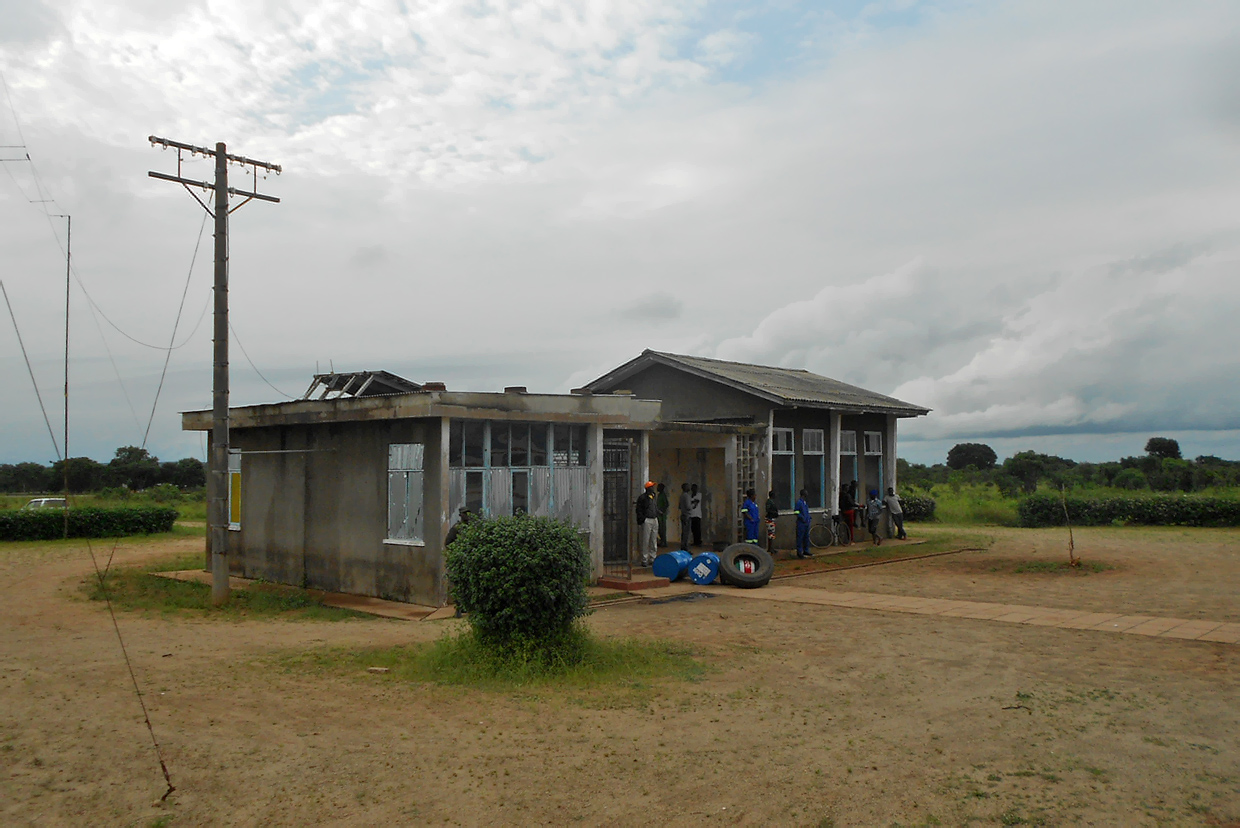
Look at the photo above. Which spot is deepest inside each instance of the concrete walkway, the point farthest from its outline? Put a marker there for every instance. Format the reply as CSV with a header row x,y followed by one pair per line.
x,y
1147,625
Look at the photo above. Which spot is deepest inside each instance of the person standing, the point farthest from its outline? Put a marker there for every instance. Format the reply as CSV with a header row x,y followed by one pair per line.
x,y
749,516
848,504
873,513
772,515
695,514
802,507
647,511
896,510
686,513
664,504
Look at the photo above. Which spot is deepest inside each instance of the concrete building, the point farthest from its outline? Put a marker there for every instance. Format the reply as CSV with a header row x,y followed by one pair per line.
x,y
791,430
355,490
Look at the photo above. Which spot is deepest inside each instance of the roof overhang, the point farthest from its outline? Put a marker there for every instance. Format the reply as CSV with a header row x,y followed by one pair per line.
x,y
620,410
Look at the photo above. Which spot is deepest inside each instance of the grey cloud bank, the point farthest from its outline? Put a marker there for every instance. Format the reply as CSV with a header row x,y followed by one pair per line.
x,y
1022,216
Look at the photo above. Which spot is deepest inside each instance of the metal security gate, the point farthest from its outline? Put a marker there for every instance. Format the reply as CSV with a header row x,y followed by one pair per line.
x,y
617,510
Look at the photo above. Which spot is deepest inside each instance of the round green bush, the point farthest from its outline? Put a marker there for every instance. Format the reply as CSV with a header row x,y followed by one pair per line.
x,y
520,580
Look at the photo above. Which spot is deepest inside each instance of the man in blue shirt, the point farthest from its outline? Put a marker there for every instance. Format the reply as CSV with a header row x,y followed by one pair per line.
x,y
802,507
749,513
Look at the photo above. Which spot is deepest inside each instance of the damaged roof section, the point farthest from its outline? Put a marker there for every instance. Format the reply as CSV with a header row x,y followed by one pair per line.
x,y
359,384
789,387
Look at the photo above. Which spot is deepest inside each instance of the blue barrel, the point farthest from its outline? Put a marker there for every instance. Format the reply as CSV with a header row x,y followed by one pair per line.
x,y
671,565
704,568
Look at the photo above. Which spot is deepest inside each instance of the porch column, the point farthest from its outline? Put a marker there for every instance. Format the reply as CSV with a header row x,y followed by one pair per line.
x,y
889,463
594,495
833,464
437,498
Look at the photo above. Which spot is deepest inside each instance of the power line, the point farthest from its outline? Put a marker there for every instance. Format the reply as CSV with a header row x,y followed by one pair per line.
x,y
255,367
38,396
176,324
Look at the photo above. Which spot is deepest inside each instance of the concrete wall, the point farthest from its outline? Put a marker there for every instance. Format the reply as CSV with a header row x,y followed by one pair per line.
x,y
318,518
686,457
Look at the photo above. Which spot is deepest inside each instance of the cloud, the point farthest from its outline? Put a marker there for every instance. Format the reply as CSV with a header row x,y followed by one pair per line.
x,y
1021,215
653,308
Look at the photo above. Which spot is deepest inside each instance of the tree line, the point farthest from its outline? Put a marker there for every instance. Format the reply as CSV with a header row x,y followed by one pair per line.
x,y
1161,468
132,468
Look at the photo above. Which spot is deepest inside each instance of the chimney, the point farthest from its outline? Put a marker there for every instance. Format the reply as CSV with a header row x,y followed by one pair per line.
x,y
434,386
515,389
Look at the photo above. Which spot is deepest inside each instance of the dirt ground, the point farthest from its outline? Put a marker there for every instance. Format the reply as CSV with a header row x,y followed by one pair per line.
x,y
808,715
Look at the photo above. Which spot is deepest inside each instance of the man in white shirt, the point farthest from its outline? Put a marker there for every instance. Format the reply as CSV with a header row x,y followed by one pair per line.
x,y
892,502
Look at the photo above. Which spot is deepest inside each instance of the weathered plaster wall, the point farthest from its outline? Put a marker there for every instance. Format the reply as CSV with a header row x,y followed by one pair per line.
x,y
319,518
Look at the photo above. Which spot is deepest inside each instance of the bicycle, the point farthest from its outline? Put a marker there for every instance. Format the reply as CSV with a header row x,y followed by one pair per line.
x,y
835,532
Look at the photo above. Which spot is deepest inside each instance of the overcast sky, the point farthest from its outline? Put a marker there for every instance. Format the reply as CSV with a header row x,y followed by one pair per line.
x,y
1023,215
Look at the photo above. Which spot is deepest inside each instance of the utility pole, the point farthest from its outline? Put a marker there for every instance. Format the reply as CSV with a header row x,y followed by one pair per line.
x,y
217,506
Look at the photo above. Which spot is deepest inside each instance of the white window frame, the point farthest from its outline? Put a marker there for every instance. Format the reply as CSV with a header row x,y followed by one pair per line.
x,y
405,468
873,443
848,442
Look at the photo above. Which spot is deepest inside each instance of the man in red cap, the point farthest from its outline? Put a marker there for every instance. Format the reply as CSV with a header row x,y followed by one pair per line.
x,y
647,511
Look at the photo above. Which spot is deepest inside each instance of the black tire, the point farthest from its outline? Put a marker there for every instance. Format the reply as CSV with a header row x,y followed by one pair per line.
x,y
820,536
730,561
844,533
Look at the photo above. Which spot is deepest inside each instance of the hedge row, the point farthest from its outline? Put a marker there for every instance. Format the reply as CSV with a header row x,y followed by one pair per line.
x,y
1152,510
87,522
917,507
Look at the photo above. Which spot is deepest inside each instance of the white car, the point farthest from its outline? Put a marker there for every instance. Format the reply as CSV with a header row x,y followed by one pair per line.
x,y
46,503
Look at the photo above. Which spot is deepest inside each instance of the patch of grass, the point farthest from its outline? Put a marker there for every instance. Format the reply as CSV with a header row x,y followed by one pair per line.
x,y
1054,567
460,659
138,589
974,504
862,551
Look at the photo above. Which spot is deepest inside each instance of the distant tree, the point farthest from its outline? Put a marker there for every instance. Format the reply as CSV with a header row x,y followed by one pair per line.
x,y
1130,479
978,455
1172,475
85,475
1163,448
26,477
134,468
188,473
1030,467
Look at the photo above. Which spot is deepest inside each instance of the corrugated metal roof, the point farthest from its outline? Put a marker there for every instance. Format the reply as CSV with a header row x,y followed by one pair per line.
x,y
786,386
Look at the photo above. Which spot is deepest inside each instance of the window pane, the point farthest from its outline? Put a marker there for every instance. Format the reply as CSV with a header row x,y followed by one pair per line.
x,y
456,444
848,442
873,442
520,493
813,481
579,445
562,445
499,445
781,482
473,492
538,444
811,439
781,440
474,433
520,447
